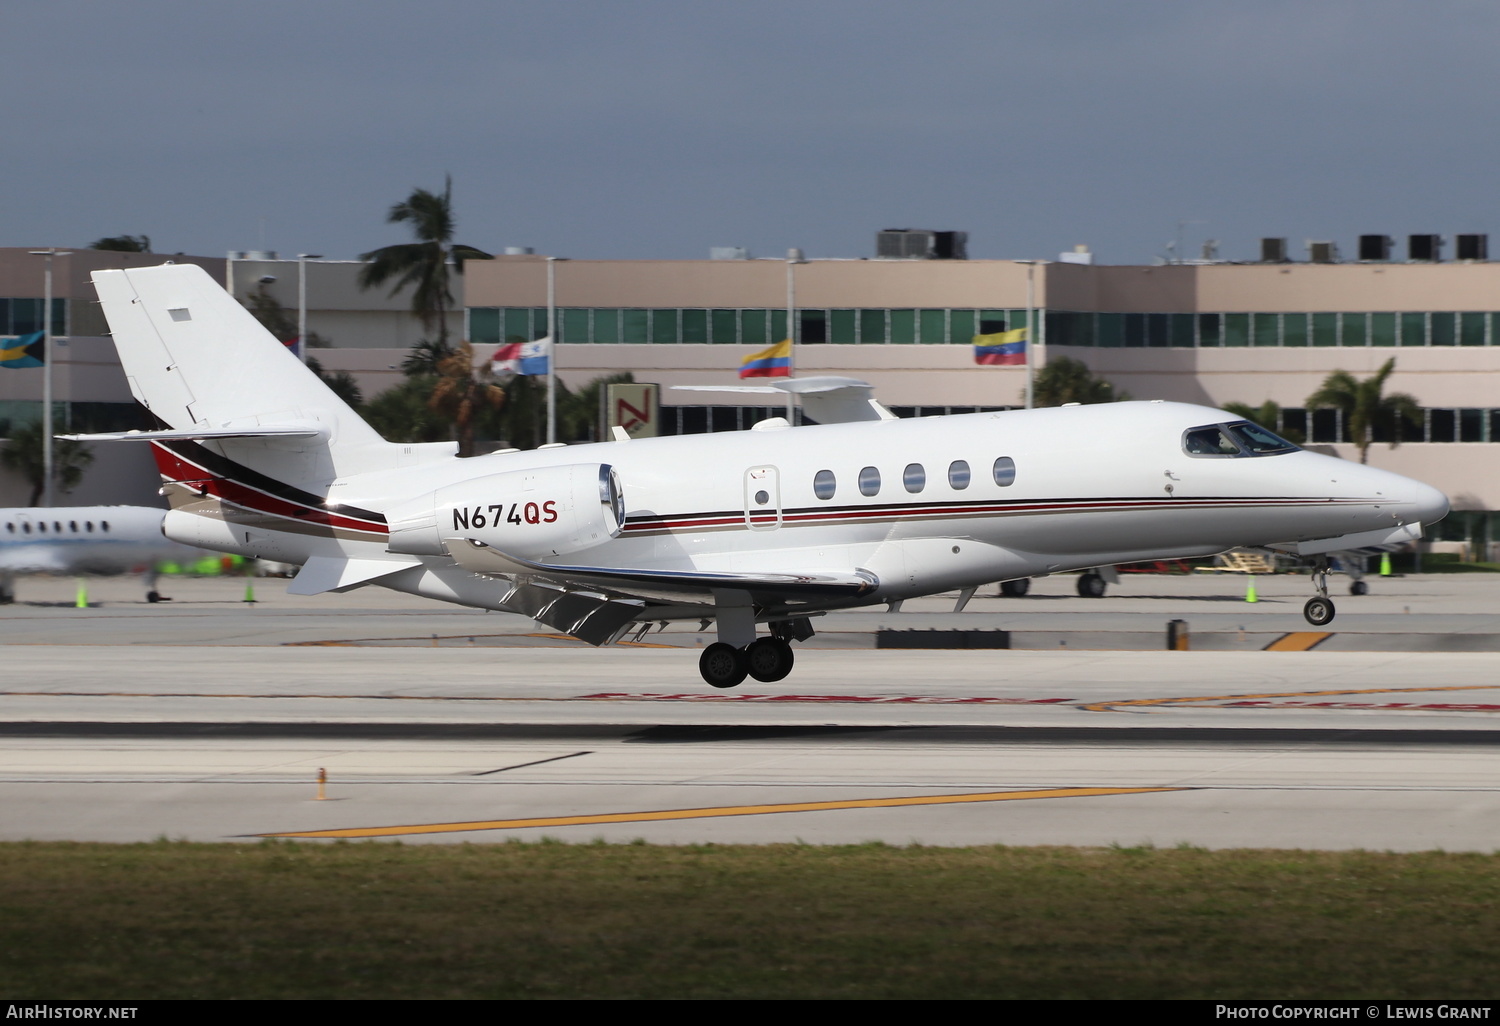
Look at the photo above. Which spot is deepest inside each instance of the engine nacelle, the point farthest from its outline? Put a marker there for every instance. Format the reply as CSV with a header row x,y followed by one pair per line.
x,y
535,514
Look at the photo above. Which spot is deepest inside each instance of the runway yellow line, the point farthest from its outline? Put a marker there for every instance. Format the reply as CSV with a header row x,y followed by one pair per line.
x,y
725,810
1298,641
1185,699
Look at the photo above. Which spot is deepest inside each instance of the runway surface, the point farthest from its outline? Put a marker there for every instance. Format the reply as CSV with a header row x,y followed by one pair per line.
x,y
208,719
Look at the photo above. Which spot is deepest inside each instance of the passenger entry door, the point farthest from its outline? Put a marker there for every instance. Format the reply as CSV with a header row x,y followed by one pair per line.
x,y
762,498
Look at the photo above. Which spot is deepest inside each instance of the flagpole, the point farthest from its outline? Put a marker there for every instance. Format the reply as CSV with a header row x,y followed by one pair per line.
x,y
551,349
47,454
793,258
1030,330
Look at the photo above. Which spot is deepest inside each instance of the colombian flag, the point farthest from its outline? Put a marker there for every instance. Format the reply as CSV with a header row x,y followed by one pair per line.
x,y
775,362
24,351
1001,348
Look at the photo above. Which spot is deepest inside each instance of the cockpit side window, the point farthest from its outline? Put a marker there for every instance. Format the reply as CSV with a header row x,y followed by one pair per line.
x,y
1240,438
1212,440
1257,440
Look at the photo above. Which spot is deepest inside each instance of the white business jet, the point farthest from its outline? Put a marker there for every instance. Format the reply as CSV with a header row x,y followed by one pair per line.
x,y
769,526
82,540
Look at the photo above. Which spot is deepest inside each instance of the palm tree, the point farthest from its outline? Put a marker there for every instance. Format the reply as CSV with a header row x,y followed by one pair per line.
x,y
24,456
1066,380
461,394
424,263
1366,411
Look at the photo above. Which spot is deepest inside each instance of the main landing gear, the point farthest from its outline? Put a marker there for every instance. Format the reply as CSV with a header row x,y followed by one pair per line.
x,y
1319,609
766,659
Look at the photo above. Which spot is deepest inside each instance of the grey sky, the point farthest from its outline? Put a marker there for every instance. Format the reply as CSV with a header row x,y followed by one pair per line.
x,y
656,128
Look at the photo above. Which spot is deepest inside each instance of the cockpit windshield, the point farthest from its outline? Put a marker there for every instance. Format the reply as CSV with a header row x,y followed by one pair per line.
x,y
1240,438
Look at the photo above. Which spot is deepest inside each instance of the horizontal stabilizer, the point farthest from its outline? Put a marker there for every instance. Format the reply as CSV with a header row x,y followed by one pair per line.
x,y
326,573
826,399
310,429
668,584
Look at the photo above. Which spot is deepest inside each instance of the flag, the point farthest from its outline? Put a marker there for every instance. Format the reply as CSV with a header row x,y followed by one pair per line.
x,y
522,357
21,351
775,362
1004,348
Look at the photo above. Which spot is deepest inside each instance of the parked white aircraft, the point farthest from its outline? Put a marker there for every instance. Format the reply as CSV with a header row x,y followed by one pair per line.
x,y
769,526
82,540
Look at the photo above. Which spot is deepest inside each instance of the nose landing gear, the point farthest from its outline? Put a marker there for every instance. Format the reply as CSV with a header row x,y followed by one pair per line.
x,y
1319,609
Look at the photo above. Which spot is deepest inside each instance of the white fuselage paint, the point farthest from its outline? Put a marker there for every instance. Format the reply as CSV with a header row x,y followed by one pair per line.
x,y
1093,485
82,539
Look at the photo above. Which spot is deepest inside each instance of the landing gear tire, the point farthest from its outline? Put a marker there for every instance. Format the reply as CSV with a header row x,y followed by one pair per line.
x,y
769,659
1090,586
1359,588
1318,611
722,665
153,596
1014,589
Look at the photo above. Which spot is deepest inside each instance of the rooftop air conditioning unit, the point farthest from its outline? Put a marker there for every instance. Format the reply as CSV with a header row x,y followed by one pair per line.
x,y
921,244
1472,247
1273,251
1374,247
1323,252
1424,247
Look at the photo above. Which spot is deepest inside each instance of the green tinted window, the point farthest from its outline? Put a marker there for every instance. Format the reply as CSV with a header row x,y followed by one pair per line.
x,y
724,327
539,325
1325,329
1382,329
1156,331
484,325
1471,329
517,323
778,326
872,327
1111,330
841,327
1294,329
695,325
1443,329
635,326
1236,329
665,328
1017,318
1210,330
607,326
962,327
934,325
754,327
903,327
1179,329
1352,329
575,325
1413,329
1265,329
1135,330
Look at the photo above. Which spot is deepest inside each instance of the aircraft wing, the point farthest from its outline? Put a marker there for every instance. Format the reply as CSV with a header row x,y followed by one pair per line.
x,y
671,585
827,400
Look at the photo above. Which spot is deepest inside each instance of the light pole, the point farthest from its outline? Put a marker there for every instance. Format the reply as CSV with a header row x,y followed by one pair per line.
x,y
793,258
47,459
1031,346
302,259
552,347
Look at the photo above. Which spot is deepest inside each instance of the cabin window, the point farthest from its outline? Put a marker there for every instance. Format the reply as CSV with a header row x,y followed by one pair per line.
x,y
25,528
824,484
73,526
88,525
104,526
869,481
10,528
958,475
41,525
914,477
56,527
1005,471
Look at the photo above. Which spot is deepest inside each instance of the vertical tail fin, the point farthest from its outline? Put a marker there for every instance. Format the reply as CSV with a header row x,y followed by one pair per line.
x,y
199,361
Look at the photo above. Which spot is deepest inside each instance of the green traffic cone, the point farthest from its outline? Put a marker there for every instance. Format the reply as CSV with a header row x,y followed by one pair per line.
x,y
1250,591
1385,564
82,600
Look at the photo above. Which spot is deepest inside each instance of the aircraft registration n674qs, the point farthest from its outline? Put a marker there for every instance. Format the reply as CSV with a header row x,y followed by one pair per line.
x,y
769,526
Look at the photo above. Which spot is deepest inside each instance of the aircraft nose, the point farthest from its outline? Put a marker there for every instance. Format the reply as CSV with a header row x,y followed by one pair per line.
x,y
1429,505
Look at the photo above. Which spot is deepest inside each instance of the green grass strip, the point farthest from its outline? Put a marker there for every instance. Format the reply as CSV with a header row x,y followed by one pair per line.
x,y
549,920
